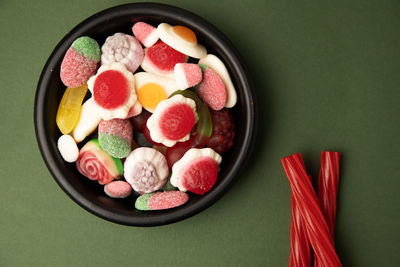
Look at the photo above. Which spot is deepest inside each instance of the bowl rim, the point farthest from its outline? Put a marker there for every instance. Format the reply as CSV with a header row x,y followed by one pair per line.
x,y
230,52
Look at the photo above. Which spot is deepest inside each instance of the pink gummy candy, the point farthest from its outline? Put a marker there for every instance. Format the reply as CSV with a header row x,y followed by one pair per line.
x,y
118,189
76,69
187,75
145,33
212,90
167,200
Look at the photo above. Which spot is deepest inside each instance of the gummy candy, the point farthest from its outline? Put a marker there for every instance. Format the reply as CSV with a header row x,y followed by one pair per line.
x,y
70,107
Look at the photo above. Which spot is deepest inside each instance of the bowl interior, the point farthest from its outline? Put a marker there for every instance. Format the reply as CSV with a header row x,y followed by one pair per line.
x,y
89,194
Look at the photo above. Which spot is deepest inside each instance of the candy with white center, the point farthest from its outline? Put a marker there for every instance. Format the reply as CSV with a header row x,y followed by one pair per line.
x,y
187,75
122,48
161,59
88,121
113,90
151,89
67,147
172,120
182,39
196,171
146,170
214,63
146,33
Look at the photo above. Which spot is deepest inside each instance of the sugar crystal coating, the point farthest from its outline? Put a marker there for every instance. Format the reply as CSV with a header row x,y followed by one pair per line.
x,y
88,47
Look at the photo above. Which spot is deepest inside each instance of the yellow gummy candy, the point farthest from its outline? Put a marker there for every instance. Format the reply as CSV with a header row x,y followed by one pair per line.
x,y
70,108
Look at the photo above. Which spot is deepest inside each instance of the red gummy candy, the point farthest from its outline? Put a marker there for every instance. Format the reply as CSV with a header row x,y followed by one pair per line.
x,y
164,57
111,89
177,121
200,176
223,133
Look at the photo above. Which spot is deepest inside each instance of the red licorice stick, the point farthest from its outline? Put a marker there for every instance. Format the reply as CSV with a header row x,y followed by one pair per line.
x,y
328,180
300,252
317,230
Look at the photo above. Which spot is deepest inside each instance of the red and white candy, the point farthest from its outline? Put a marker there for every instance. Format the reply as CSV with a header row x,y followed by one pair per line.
x,y
196,171
96,164
146,33
161,59
113,90
172,120
187,75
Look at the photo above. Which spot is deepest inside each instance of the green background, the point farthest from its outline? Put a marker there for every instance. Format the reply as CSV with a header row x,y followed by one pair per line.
x,y
326,76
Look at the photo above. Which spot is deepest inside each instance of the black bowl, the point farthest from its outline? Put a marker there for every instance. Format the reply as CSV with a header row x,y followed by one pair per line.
x,y
89,194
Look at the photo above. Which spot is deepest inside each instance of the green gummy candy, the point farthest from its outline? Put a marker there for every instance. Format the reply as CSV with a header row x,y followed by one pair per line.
x,y
203,67
142,202
168,186
115,146
88,47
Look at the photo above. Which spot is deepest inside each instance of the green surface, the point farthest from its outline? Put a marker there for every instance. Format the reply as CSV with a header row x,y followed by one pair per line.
x,y
87,47
326,76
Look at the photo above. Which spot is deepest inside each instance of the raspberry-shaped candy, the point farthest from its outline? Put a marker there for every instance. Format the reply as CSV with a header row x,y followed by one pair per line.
x,y
223,133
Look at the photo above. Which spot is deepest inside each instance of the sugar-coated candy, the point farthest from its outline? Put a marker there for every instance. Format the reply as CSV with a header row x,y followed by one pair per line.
x,y
211,89
161,200
115,137
151,89
182,39
113,90
80,62
122,48
118,189
216,64
88,121
160,59
69,108
145,33
187,75
196,171
95,164
146,170
172,120
67,147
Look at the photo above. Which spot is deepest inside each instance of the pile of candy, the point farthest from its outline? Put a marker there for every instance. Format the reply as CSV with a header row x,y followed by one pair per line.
x,y
159,83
